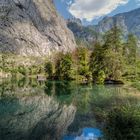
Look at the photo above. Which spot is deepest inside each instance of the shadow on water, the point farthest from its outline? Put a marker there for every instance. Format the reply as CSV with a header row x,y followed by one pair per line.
x,y
56,110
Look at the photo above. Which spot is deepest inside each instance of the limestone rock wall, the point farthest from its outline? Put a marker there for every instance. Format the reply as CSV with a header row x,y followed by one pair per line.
x,y
33,27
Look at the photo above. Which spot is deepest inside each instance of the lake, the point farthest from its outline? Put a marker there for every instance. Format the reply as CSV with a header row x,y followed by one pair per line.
x,y
57,110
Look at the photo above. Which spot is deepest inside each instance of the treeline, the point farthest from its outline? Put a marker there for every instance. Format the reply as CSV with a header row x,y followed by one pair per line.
x,y
112,59
115,58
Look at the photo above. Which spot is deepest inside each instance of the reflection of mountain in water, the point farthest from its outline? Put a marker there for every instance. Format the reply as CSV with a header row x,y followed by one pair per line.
x,y
51,110
34,118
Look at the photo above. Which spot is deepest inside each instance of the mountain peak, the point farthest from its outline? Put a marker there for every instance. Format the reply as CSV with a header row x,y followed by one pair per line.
x,y
128,22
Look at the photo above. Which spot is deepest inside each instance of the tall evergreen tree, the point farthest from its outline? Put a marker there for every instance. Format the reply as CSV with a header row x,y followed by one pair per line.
x,y
131,49
113,39
114,53
64,67
97,64
131,53
108,58
83,62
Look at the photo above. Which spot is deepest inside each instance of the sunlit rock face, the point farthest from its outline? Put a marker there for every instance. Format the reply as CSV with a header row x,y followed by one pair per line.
x,y
34,118
33,27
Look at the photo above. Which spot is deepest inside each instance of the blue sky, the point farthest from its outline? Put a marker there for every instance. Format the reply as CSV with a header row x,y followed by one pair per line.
x,y
91,11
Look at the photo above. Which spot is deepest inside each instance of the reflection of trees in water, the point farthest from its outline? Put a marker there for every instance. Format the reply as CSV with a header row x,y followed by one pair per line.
x,y
17,86
123,123
92,102
63,88
84,116
93,105
34,118
49,88
62,91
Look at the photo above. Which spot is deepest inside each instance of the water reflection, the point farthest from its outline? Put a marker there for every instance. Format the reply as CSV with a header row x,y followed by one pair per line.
x,y
87,134
54,110
34,118
27,113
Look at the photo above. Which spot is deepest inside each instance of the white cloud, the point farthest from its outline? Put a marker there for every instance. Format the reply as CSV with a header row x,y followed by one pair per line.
x,y
92,9
69,3
138,2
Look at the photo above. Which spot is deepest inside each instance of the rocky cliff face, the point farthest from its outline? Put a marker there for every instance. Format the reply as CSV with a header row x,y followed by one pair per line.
x,y
33,27
85,33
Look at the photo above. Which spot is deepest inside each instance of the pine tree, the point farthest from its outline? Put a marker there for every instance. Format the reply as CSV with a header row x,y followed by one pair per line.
x,y
131,49
131,53
64,67
97,64
83,62
108,58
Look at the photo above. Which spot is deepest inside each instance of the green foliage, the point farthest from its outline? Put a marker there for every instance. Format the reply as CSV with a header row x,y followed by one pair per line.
x,y
113,39
97,62
108,57
123,123
24,71
4,63
114,59
8,64
49,69
114,63
32,70
132,58
130,49
40,69
101,77
64,67
136,85
83,62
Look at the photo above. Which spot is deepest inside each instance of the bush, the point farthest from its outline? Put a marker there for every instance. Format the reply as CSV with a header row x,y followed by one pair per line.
x,y
64,67
49,69
123,123
136,85
23,70
101,77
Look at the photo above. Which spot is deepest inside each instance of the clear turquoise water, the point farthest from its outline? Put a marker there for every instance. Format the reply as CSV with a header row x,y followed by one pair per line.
x,y
55,110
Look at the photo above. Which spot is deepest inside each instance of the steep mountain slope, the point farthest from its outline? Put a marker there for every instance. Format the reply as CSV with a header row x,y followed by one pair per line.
x,y
86,34
128,22
33,27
